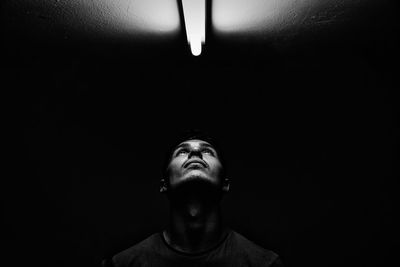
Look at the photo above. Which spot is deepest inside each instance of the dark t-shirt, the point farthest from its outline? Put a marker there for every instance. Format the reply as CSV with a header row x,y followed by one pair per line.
x,y
234,251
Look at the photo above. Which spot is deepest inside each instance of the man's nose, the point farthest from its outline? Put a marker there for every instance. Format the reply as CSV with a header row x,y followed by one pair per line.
x,y
195,153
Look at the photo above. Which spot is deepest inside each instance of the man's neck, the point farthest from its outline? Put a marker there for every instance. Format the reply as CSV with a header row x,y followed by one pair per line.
x,y
194,226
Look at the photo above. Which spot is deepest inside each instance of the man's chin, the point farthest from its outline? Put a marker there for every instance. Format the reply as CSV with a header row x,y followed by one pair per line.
x,y
195,185
195,179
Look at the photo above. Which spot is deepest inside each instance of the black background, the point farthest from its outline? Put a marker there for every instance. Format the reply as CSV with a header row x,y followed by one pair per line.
x,y
308,122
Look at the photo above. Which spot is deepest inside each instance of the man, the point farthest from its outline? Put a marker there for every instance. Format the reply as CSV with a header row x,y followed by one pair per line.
x,y
195,182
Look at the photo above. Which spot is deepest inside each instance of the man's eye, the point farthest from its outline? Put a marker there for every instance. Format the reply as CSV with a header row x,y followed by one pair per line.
x,y
208,151
181,152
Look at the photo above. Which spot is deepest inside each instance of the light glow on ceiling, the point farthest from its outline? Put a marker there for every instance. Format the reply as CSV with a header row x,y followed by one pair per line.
x,y
254,15
274,16
155,16
194,12
106,17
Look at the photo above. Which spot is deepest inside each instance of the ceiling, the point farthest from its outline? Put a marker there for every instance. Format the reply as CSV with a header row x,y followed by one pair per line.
x,y
155,20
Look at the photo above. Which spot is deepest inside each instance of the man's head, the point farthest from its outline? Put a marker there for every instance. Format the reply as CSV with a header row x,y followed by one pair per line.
x,y
194,158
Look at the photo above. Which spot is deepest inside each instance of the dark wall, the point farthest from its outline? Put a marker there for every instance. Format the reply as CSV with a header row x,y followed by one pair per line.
x,y
308,122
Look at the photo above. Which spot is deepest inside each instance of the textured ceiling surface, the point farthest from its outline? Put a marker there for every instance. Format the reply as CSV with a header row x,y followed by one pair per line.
x,y
276,15
101,17
161,17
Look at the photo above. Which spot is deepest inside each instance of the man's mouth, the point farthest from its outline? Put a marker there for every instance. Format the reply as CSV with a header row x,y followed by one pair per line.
x,y
195,164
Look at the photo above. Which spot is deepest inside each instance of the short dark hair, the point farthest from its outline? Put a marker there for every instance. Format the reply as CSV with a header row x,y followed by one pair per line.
x,y
193,134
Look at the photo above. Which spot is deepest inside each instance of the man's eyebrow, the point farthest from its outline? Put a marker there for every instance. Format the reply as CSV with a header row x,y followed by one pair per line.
x,y
186,145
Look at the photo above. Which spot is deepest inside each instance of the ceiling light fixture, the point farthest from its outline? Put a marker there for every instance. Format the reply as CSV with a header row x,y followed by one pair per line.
x,y
194,13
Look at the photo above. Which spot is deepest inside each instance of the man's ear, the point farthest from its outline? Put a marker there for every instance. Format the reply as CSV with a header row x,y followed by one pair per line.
x,y
163,186
226,184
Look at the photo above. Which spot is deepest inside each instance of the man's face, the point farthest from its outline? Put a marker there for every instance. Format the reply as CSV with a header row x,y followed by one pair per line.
x,y
194,159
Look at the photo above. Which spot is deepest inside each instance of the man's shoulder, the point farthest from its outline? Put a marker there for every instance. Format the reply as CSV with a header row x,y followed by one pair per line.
x,y
135,252
253,252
